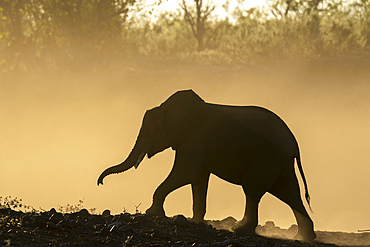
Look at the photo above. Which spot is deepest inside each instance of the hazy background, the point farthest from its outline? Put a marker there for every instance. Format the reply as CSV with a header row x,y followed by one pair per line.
x,y
77,76
59,131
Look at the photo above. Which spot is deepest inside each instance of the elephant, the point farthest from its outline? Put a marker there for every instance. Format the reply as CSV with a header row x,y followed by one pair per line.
x,y
244,145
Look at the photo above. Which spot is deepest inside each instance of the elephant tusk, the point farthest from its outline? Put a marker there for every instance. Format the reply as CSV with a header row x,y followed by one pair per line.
x,y
141,157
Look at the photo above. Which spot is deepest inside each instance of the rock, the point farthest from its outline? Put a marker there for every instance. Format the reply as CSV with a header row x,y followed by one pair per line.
x,y
226,223
104,232
80,223
98,219
60,223
55,218
6,242
126,217
115,228
229,221
45,213
51,225
83,213
107,216
106,213
180,220
5,210
30,230
52,211
269,225
115,224
40,221
129,231
65,224
140,218
128,240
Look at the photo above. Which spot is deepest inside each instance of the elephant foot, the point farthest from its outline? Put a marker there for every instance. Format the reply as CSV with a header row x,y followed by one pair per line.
x,y
308,236
155,211
198,220
244,229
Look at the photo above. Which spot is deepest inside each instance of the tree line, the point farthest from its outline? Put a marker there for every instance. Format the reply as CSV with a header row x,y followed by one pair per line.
x,y
68,34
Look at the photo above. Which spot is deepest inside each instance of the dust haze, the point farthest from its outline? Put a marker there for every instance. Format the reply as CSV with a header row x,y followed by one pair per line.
x,y
59,131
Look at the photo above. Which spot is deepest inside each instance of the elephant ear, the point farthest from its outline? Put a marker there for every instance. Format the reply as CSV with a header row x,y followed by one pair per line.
x,y
183,113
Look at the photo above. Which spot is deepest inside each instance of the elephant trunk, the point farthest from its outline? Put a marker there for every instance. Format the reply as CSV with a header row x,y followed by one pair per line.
x,y
134,159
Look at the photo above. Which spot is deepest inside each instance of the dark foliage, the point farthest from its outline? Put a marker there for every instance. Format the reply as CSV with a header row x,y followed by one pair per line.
x,y
85,34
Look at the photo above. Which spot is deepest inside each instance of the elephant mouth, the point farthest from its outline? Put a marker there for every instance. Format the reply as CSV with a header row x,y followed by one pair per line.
x,y
151,154
154,150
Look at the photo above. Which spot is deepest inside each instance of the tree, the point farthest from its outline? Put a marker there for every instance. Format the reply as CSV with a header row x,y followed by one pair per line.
x,y
12,16
307,12
54,33
197,19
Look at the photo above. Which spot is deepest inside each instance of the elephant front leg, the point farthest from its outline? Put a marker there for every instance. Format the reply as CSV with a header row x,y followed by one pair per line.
x,y
171,183
199,189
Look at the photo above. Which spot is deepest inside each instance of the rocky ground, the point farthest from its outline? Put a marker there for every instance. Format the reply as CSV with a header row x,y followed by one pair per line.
x,y
52,228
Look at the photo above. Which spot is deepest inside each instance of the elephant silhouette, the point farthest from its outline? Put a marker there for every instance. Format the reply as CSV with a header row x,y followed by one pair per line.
x,y
244,145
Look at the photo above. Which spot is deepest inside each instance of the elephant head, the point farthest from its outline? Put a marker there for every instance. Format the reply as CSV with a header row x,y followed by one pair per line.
x,y
164,126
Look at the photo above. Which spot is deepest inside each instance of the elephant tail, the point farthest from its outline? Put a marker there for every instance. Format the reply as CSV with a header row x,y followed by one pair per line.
x,y
299,164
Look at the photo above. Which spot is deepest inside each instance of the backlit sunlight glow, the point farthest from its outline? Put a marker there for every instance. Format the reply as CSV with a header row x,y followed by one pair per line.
x,y
73,95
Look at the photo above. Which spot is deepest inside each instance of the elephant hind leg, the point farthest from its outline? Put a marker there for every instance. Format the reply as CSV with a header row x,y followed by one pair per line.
x,y
248,224
305,227
287,190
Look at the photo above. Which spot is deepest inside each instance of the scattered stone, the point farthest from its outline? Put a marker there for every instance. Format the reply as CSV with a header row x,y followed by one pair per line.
x,y
269,225
104,232
126,217
115,229
84,213
180,220
106,213
140,218
52,211
98,219
56,217
115,224
60,224
226,223
5,210
80,229
51,225
66,223
6,242
80,223
127,242
40,221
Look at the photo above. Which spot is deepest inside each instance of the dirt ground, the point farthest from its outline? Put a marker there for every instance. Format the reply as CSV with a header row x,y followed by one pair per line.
x,y
83,229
